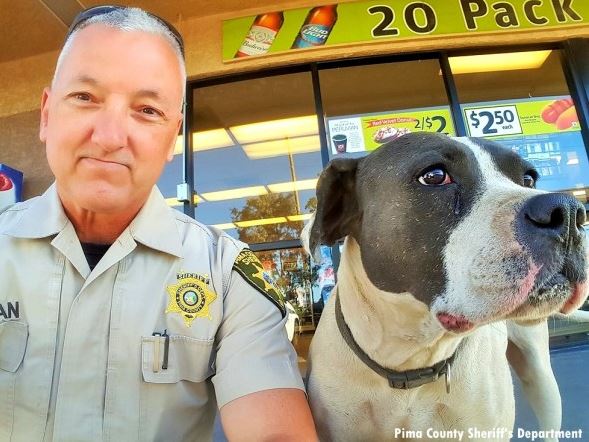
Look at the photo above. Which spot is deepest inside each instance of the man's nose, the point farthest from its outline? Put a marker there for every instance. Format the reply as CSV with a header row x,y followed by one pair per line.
x,y
110,128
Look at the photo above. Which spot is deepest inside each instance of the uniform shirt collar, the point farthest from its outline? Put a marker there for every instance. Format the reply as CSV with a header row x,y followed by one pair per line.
x,y
38,217
154,226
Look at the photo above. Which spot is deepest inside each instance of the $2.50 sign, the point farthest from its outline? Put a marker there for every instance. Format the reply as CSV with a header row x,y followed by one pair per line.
x,y
492,121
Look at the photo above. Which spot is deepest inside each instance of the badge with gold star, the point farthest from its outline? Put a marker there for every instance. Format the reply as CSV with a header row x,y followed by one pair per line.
x,y
191,297
249,266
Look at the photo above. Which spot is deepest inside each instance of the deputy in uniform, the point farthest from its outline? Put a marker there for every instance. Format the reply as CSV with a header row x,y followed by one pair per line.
x,y
120,318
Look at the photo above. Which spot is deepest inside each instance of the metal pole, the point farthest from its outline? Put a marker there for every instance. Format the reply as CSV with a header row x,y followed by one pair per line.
x,y
188,163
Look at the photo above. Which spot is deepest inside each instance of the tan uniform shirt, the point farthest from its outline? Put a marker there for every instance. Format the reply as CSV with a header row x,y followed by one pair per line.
x,y
77,357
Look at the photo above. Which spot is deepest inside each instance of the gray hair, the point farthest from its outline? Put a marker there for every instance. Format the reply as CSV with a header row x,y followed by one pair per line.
x,y
128,20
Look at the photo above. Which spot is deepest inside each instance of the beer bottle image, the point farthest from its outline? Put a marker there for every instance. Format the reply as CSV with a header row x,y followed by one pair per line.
x,y
316,27
261,34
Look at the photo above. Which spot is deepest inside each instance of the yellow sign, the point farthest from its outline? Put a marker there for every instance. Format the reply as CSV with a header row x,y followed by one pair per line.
x,y
366,132
366,21
190,297
528,116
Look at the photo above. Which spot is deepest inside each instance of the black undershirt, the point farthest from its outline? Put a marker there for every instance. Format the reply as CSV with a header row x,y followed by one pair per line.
x,y
94,252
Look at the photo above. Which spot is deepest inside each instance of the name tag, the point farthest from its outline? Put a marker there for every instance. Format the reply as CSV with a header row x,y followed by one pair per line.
x,y
9,310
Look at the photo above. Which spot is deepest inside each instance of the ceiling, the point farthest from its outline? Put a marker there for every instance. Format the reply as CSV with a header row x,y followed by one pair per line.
x,y
31,27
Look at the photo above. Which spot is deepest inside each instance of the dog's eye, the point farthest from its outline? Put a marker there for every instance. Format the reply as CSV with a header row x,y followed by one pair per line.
x,y
529,181
436,176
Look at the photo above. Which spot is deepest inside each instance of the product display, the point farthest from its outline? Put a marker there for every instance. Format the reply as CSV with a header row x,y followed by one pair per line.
x,y
261,34
317,27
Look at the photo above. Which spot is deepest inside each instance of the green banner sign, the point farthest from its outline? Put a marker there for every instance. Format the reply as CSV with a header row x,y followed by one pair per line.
x,y
366,21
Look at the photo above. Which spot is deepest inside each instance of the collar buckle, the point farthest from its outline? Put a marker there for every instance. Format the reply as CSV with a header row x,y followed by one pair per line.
x,y
416,378
448,376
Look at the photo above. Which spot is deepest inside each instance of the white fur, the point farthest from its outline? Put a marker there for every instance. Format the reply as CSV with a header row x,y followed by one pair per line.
x,y
477,266
350,402
400,333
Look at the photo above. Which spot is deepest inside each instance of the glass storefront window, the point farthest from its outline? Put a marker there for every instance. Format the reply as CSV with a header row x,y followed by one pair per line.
x,y
522,101
257,156
306,286
366,106
171,177
290,269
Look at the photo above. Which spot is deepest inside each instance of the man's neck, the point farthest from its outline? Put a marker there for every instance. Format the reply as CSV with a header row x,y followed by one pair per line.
x,y
98,228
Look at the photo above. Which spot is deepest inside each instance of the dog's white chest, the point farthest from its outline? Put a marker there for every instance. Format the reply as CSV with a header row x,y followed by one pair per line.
x,y
355,404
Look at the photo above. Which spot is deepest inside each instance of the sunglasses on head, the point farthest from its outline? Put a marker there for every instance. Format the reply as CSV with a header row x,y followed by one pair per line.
x,y
101,10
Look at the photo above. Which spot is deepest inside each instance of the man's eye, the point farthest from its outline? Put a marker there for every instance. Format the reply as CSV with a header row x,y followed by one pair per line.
x,y
529,181
150,111
82,96
437,176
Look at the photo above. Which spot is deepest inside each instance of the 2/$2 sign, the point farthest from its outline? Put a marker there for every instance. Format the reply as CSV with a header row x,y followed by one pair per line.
x,y
365,21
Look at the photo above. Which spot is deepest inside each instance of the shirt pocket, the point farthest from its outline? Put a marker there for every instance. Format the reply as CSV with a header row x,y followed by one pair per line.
x,y
13,343
188,359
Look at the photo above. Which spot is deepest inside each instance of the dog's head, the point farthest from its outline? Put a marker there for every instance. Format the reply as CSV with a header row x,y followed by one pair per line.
x,y
457,223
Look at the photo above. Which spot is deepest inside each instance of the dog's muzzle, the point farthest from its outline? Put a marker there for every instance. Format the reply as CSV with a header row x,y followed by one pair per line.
x,y
550,227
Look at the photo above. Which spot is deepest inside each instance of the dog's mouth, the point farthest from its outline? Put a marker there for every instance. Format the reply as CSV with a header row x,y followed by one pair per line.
x,y
559,293
455,323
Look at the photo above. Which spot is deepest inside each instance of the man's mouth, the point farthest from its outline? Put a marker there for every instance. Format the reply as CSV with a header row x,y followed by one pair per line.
x,y
101,163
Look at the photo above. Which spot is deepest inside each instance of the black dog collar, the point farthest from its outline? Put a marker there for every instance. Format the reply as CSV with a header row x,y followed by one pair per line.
x,y
397,379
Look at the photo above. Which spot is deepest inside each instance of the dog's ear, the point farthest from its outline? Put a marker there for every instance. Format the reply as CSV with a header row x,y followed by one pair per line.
x,y
337,212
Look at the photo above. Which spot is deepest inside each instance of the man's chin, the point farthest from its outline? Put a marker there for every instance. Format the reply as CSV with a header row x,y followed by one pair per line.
x,y
107,200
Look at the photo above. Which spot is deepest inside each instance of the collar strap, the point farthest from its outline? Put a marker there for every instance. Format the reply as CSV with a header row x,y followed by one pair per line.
x,y
397,379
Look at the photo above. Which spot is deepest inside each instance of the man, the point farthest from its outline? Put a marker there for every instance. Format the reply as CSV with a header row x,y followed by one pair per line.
x,y
121,318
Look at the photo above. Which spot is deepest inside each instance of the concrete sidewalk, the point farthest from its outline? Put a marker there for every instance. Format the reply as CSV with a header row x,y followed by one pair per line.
x,y
571,367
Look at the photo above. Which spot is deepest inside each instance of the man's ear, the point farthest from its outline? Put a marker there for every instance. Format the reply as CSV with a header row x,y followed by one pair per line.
x,y
338,213
44,114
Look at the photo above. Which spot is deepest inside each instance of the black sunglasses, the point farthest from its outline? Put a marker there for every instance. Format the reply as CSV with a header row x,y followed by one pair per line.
x,y
101,10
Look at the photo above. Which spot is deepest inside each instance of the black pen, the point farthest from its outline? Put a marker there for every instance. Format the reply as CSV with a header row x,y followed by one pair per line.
x,y
166,348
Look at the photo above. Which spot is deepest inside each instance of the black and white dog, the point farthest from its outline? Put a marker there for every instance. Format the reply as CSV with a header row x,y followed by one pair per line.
x,y
449,251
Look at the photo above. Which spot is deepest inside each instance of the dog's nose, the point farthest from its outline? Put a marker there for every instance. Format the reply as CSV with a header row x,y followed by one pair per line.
x,y
556,215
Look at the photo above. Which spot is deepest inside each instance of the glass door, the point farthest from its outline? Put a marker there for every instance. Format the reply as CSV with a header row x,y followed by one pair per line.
x,y
306,286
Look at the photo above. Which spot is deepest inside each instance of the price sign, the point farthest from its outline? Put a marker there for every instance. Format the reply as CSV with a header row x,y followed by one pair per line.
x,y
366,132
436,123
492,121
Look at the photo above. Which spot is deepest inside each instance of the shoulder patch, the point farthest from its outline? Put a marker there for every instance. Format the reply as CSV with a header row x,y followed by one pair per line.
x,y
249,266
